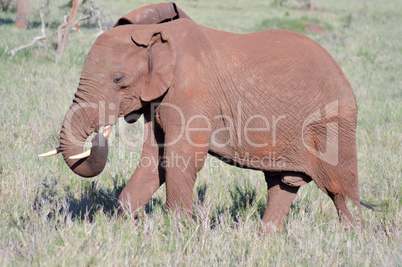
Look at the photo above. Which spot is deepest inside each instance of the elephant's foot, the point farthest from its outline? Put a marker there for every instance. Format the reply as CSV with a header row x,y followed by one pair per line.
x,y
271,228
125,211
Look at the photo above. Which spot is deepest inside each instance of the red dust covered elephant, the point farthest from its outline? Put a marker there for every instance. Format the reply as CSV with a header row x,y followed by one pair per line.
x,y
273,101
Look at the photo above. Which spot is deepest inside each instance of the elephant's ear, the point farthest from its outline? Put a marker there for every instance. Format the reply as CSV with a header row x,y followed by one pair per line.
x,y
153,14
161,60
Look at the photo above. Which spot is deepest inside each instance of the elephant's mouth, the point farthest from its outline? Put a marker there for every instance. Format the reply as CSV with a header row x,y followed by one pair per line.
x,y
133,116
106,133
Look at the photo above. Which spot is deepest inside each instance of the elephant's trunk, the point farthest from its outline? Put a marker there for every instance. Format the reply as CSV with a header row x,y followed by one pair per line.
x,y
75,129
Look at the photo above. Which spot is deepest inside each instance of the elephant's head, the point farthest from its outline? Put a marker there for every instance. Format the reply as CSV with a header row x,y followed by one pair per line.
x,y
126,68
122,72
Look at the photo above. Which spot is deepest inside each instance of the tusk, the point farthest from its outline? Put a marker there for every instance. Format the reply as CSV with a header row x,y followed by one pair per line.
x,y
107,131
51,153
82,155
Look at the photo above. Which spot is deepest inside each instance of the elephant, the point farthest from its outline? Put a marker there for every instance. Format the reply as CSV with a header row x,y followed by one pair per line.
x,y
273,101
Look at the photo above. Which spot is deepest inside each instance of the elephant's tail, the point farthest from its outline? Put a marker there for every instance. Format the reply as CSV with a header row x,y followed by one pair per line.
x,y
371,206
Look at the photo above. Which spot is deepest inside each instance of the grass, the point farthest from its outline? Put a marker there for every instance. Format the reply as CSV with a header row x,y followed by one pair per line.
x,y
49,216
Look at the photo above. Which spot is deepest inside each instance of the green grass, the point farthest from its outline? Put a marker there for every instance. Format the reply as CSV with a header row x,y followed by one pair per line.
x,y
49,216
294,24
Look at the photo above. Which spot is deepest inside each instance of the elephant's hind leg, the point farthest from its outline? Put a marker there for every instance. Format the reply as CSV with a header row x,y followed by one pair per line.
x,y
339,190
280,198
341,208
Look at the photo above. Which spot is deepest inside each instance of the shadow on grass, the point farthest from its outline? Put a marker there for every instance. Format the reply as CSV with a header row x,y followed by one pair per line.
x,y
91,200
244,201
153,203
201,192
6,21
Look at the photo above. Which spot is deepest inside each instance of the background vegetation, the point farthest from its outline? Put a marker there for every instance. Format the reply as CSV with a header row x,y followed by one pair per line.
x,y
50,216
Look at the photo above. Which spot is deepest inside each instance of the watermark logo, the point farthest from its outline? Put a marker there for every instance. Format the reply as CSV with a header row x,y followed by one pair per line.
x,y
330,122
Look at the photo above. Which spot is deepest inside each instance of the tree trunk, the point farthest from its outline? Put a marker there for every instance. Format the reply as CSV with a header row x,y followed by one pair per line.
x,y
21,21
63,43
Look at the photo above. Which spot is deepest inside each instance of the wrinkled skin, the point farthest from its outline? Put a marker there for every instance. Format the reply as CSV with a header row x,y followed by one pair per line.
x,y
273,101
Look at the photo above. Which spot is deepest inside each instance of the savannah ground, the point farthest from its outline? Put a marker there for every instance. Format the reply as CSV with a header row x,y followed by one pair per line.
x,y
50,216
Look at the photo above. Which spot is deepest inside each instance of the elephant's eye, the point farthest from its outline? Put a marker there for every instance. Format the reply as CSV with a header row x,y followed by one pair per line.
x,y
118,79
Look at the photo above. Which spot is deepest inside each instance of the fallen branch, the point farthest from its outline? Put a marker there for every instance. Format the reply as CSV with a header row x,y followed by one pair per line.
x,y
36,39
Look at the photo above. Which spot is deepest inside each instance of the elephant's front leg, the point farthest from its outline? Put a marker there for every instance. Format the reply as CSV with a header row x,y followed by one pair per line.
x,y
147,177
182,162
